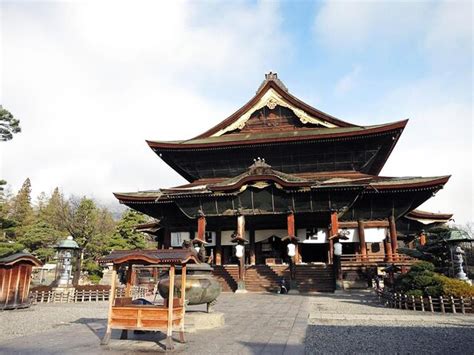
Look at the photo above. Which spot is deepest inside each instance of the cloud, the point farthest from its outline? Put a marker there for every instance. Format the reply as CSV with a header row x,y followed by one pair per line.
x,y
90,81
348,81
348,25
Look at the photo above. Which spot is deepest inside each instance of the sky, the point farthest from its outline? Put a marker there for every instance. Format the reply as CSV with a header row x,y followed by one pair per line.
x,y
90,81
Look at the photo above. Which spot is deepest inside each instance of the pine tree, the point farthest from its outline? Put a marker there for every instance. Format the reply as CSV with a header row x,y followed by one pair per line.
x,y
21,210
9,125
125,236
40,238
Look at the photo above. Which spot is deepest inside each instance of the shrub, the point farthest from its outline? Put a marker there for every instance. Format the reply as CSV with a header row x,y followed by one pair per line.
x,y
454,287
422,266
416,293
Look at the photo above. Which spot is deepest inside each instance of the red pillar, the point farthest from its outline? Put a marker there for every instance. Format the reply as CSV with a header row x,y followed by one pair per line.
x,y
201,228
333,231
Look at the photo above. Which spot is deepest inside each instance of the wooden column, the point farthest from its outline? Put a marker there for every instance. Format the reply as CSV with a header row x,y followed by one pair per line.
x,y
169,330
422,238
252,246
362,244
105,340
218,255
388,249
183,303
393,236
291,230
128,287
290,222
201,229
333,231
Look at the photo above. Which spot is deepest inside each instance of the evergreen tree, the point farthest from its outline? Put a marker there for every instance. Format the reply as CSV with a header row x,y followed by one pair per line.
x,y
9,125
53,213
21,209
40,238
125,236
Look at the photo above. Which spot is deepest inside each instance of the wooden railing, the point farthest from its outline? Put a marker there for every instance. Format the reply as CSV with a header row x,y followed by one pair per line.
x,y
71,296
376,259
446,304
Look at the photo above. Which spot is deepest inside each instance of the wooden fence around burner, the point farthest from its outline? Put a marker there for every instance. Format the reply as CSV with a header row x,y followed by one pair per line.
x,y
71,296
446,304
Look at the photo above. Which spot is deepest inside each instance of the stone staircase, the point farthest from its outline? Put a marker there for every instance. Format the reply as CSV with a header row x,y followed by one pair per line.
x,y
266,278
315,278
227,275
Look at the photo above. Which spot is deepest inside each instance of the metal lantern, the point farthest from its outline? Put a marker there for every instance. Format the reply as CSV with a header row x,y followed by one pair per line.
x,y
66,252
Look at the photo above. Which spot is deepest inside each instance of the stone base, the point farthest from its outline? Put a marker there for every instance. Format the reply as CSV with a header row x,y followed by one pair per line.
x,y
195,321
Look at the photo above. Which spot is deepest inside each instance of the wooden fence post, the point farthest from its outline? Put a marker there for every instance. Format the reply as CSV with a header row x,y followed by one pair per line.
x,y
422,302
413,302
430,301
463,309
441,302
453,305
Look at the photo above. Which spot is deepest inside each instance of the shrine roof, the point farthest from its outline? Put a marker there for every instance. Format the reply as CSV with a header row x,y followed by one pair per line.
x,y
262,175
428,217
279,136
20,258
155,256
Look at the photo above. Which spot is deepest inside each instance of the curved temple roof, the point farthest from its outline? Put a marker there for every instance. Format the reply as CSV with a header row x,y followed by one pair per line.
x,y
20,258
156,256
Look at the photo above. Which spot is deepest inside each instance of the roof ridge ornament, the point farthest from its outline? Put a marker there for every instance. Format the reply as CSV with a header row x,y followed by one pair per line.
x,y
259,167
271,76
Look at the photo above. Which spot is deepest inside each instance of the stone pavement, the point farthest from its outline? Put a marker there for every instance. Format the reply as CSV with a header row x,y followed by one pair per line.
x,y
255,324
355,323
348,323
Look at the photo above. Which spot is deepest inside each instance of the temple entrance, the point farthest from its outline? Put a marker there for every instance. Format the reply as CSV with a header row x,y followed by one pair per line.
x,y
270,250
311,253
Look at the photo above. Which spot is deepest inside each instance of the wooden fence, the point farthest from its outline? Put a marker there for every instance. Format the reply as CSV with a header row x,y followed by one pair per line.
x,y
59,296
427,304
358,259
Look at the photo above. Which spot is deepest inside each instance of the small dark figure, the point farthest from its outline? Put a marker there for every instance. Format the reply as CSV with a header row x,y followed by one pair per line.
x,y
283,287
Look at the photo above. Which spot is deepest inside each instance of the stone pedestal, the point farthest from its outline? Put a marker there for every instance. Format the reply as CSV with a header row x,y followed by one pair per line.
x,y
241,287
194,321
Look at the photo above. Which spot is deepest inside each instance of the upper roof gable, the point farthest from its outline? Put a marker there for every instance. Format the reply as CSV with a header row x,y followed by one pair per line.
x,y
273,93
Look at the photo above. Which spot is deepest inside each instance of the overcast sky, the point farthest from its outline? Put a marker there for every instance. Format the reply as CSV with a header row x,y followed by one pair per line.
x,y
90,81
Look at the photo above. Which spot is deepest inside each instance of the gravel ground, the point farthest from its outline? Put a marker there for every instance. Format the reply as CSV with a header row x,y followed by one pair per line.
x,y
44,317
356,324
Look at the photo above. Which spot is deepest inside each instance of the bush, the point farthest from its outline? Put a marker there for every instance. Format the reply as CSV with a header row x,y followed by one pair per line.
x,y
454,287
421,266
416,293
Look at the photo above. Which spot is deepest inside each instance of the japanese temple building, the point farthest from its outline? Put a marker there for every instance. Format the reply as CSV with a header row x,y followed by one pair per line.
x,y
291,173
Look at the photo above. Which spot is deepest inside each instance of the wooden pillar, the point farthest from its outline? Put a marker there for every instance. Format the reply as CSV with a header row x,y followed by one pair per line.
x,y
362,244
291,230
290,222
201,229
169,329
252,246
183,303
218,247
105,340
388,249
128,287
333,231
422,238
393,236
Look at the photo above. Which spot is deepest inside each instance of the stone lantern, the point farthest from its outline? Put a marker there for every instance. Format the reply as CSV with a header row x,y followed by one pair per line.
x,y
455,238
67,251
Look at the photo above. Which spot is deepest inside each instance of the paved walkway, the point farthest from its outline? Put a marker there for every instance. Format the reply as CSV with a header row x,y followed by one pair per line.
x,y
255,324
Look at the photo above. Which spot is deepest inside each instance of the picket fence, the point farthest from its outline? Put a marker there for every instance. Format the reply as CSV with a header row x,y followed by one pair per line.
x,y
427,304
71,296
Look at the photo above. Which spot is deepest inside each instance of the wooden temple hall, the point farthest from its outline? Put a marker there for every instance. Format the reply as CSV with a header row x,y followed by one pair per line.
x,y
279,172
